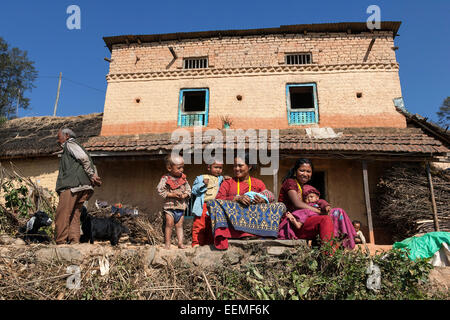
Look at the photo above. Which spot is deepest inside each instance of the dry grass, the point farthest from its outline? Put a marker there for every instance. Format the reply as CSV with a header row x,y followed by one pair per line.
x,y
22,276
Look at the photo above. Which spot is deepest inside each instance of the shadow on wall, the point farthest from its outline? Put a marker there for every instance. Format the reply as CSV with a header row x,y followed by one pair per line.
x,y
133,182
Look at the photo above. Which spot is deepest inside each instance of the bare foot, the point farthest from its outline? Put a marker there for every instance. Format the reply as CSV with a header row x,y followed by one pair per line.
x,y
182,246
167,246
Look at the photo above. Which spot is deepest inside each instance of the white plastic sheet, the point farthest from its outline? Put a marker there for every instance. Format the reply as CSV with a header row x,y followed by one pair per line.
x,y
442,257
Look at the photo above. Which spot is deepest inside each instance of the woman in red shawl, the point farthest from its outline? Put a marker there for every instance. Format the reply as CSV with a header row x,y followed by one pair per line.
x,y
291,196
235,214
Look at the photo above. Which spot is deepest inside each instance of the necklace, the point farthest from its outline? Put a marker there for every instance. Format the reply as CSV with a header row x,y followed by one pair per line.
x,y
249,186
299,187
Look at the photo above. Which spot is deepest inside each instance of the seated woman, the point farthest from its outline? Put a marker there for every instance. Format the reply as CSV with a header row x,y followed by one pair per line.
x,y
235,214
291,196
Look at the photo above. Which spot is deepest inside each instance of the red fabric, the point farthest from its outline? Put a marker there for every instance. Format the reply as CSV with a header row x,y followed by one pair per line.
x,y
323,205
307,189
288,184
174,183
316,225
228,189
222,235
201,229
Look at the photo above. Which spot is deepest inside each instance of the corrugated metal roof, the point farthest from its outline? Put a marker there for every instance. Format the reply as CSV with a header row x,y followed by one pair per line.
x,y
355,27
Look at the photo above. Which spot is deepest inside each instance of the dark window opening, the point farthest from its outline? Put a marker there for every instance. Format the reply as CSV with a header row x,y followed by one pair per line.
x,y
318,182
195,63
194,101
301,58
302,97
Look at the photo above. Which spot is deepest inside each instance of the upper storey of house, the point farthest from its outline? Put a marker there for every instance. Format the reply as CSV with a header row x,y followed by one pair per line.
x,y
326,75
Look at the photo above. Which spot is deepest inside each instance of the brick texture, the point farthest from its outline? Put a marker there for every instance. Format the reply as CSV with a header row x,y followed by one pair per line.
x,y
138,104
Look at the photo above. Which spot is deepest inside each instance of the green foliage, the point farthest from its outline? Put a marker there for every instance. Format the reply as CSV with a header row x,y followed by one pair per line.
x,y
316,275
17,75
16,198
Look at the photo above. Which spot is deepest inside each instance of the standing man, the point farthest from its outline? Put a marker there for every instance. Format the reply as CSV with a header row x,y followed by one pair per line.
x,y
75,185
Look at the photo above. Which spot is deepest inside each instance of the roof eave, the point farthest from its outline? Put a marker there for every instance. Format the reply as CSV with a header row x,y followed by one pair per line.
x,y
353,27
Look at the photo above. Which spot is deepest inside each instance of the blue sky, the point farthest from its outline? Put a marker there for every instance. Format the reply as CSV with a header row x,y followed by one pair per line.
x,y
39,27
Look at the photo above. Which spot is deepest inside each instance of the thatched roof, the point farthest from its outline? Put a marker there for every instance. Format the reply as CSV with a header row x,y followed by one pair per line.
x,y
430,128
397,142
36,136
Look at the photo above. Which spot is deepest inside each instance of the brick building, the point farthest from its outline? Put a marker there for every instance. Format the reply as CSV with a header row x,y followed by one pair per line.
x,y
297,79
326,75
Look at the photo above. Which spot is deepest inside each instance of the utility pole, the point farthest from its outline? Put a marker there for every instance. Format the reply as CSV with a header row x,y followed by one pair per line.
x,y
57,94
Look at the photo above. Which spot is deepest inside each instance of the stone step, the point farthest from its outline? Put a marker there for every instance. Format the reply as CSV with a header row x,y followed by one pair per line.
x,y
267,243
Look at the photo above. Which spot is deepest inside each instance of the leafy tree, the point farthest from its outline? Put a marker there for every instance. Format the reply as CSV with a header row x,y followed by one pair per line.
x,y
17,74
444,113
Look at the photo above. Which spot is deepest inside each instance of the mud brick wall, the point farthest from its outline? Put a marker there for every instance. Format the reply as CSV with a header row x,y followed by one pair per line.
x,y
254,67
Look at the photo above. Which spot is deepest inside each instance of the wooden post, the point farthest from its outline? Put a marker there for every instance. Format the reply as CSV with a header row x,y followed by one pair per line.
x,y
433,200
275,184
367,198
57,94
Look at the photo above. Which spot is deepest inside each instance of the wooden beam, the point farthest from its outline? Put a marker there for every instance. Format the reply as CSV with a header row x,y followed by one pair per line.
x,y
275,184
173,53
433,200
367,198
369,49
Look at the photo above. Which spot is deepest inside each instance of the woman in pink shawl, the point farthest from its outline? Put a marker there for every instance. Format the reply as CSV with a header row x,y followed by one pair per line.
x,y
304,220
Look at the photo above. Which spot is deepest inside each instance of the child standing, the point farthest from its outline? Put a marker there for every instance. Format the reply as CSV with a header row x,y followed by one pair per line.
x,y
205,188
175,190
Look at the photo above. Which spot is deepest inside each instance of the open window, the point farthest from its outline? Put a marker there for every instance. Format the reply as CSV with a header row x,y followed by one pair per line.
x,y
318,182
302,103
193,107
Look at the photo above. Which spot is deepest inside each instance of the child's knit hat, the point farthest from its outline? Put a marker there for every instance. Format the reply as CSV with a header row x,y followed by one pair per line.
x,y
307,189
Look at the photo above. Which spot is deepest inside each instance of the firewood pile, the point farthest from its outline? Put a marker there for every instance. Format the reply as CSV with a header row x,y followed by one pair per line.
x,y
144,228
403,201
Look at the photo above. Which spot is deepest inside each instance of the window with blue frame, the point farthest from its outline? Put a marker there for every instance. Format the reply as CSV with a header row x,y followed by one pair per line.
x,y
193,107
302,103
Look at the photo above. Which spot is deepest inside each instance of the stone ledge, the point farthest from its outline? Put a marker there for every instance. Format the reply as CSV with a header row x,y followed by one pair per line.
x,y
267,243
239,251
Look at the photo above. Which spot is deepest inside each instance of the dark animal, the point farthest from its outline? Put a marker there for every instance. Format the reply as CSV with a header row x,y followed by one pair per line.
x,y
100,228
31,233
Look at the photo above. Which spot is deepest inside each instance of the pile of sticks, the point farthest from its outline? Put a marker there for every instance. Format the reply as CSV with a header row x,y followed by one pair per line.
x,y
143,228
404,202
38,197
